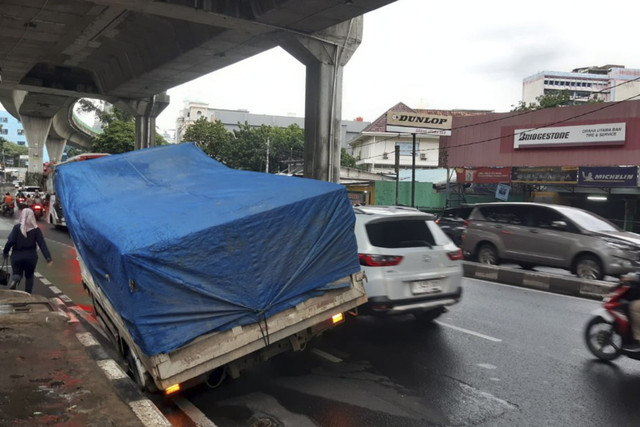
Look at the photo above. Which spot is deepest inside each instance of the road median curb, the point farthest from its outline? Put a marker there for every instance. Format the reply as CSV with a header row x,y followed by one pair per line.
x,y
566,285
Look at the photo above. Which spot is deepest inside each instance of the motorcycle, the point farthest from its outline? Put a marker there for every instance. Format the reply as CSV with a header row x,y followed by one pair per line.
x,y
21,201
609,330
8,209
38,210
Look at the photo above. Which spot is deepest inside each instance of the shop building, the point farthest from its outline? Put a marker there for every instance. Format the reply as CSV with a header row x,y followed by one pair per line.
x,y
585,156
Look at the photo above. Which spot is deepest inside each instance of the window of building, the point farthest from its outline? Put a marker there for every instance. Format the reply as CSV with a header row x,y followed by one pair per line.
x,y
20,131
4,119
4,131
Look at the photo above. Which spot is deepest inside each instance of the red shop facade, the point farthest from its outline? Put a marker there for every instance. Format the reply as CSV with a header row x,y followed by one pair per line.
x,y
585,156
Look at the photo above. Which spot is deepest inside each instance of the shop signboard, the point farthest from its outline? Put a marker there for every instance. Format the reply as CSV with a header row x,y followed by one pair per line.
x,y
502,192
570,136
419,123
483,175
614,176
544,175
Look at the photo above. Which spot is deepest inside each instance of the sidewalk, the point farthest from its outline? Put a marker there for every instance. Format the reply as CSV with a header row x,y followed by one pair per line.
x,y
54,372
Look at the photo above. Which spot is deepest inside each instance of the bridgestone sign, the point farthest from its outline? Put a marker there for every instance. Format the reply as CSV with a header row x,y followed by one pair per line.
x,y
567,136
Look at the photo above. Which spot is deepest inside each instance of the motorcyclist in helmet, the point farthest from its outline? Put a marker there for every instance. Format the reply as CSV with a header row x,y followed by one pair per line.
x,y
7,200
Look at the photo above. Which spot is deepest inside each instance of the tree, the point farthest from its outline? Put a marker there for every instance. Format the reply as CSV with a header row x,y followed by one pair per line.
x,y
11,153
347,159
119,133
211,137
559,98
248,148
285,144
117,137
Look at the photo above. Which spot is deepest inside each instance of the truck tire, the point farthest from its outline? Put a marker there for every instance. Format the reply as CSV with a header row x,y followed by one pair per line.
x,y
139,374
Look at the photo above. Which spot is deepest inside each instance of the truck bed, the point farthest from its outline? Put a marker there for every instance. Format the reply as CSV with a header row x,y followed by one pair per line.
x,y
289,329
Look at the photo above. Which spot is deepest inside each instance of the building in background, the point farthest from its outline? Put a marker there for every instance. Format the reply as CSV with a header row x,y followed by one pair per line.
x,y
12,129
607,83
193,111
374,148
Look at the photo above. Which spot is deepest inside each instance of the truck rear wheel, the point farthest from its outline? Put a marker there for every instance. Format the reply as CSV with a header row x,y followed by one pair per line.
x,y
139,374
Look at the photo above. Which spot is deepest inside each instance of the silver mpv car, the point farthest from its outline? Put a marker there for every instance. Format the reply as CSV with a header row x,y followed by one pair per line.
x,y
532,234
411,266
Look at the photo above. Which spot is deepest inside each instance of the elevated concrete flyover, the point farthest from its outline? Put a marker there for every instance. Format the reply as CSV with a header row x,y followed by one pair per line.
x,y
130,52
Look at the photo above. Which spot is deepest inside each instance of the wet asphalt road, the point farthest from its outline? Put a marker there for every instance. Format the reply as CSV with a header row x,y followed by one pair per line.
x,y
504,356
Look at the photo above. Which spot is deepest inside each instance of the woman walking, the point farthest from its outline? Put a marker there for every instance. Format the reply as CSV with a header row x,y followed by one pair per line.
x,y
23,239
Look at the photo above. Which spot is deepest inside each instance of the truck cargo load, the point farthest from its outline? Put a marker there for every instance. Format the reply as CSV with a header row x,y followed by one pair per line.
x,y
182,246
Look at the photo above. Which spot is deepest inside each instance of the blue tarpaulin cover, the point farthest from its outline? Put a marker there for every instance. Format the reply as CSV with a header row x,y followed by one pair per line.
x,y
182,245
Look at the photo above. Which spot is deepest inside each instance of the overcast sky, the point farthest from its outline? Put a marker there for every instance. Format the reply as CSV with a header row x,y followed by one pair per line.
x,y
461,54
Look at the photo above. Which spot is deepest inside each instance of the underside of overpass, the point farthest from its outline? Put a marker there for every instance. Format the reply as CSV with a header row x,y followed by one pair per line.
x,y
130,52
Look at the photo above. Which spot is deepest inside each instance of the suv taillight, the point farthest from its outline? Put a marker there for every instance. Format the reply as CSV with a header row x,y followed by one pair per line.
x,y
455,255
465,223
379,260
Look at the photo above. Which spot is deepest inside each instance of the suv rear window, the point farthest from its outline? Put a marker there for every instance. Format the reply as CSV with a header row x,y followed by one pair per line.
x,y
406,233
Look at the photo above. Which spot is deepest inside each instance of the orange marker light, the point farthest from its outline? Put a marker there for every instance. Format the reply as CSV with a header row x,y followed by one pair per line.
x,y
337,318
172,389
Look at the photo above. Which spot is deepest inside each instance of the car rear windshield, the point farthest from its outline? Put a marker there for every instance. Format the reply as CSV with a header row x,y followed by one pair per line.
x,y
406,233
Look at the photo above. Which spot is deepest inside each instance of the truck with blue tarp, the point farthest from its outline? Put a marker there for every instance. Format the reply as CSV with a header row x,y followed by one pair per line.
x,y
194,267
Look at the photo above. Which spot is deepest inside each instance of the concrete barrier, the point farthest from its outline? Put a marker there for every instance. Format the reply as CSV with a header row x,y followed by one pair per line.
x,y
567,285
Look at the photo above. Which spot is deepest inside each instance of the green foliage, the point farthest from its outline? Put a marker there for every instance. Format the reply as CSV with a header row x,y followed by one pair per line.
x,y
246,147
347,159
553,99
117,137
119,132
211,137
11,150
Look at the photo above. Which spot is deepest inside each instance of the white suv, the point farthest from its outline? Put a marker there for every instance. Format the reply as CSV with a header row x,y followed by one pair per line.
x,y
410,264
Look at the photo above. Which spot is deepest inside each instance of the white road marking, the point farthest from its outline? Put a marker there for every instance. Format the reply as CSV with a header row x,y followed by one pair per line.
x,y
55,290
112,369
192,412
149,414
87,339
467,331
486,365
330,357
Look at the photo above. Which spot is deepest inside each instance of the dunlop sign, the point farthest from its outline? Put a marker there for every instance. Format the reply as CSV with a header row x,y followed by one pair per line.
x,y
406,122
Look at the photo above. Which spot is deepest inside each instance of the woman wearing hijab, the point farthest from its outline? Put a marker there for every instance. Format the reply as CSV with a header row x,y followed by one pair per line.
x,y
23,239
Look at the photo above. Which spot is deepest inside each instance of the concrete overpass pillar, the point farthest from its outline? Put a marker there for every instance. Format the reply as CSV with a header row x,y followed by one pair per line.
x,y
36,130
324,54
145,111
55,148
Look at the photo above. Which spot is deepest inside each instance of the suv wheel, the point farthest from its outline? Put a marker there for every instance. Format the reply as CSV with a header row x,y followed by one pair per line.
x,y
487,254
589,267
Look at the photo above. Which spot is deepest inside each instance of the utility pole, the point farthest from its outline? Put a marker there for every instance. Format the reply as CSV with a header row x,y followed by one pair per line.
x,y
397,172
413,173
267,168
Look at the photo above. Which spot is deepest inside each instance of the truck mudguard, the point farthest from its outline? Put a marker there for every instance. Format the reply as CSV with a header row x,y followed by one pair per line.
x,y
182,245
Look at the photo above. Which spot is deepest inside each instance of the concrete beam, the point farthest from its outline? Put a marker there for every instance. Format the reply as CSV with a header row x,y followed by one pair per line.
x,y
145,111
324,56
55,148
36,129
